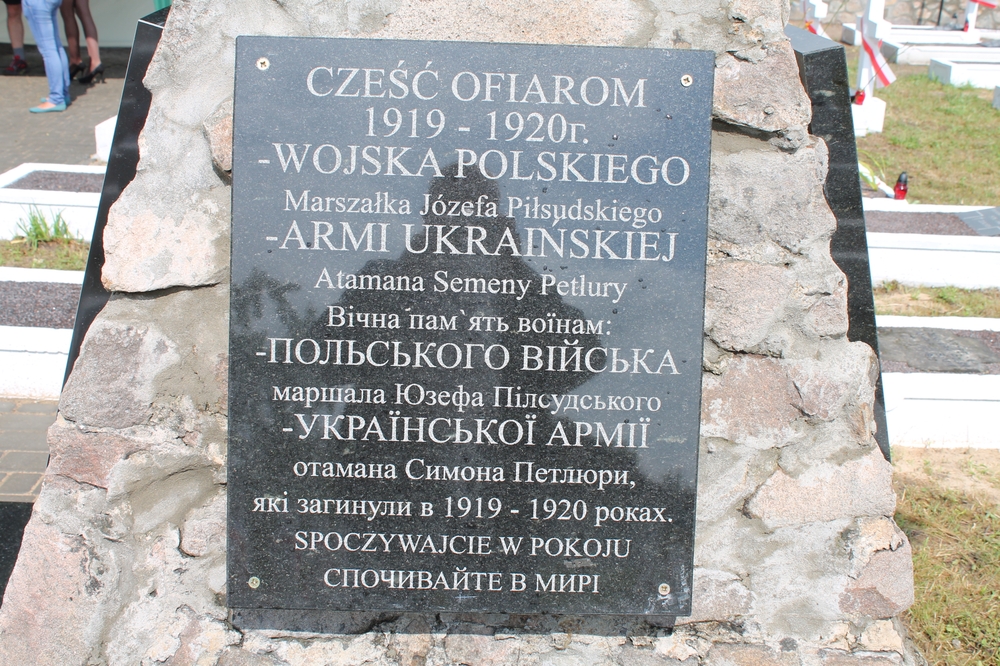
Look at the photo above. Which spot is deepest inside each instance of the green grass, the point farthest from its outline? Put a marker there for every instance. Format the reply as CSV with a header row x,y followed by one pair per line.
x,y
956,561
69,255
892,298
44,245
947,139
36,228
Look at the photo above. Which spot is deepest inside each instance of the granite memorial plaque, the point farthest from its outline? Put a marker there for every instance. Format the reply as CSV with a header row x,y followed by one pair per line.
x,y
466,326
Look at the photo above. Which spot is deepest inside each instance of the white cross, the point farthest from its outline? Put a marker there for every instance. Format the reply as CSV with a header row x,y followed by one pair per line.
x,y
873,24
814,10
971,11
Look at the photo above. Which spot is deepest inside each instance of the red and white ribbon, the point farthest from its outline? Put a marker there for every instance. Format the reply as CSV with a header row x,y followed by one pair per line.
x,y
816,29
985,3
883,75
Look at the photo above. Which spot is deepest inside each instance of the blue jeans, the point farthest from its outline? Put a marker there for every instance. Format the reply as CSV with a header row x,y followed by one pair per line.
x,y
41,15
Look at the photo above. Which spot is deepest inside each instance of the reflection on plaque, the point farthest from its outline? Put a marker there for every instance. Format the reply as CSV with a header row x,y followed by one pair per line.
x,y
466,326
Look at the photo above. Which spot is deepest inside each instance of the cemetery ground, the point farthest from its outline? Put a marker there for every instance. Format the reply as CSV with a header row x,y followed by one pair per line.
x,y
66,254
949,506
892,298
947,139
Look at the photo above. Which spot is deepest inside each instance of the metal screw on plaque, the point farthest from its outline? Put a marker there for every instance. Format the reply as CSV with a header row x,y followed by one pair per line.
x,y
663,589
686,80
254,582
264,63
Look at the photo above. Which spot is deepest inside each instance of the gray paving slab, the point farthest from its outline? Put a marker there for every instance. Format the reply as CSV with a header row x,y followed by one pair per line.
x,y
114,58
49,408
24,461
26,416
17,499
24,451
14,421
24,440
20,484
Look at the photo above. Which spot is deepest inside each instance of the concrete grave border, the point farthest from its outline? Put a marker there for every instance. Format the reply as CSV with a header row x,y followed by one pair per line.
x,y
79,209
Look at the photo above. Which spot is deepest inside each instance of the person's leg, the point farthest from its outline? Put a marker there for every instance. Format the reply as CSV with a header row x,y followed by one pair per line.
x,y
61,52
89,30
15,28
41,15
72,32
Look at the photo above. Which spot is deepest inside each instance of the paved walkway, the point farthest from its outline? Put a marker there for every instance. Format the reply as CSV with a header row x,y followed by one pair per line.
x,y
25,453
59,138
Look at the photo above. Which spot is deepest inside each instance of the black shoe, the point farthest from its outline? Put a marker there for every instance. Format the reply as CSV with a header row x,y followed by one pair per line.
x,y
96,74
75,69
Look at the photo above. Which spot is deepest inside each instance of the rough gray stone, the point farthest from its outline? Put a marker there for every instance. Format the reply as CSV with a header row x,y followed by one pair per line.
x,y
885,586
126,362
124,559
475,649
754,403
62,575
219,132
744,205
612,22
738,100
753,55
718,596
732,284
841,658
882,636
87,457
204,530
727,475
826,492
825,307
796,581
59,602
234,656
191,247
868,536
729,654
678,645
846,380
112,384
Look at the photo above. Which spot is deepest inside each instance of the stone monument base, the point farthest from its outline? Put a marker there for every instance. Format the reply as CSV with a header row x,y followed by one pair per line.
x,y
797,557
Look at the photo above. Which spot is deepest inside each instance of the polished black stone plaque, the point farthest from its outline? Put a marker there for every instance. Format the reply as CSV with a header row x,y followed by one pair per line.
x,y
823,71
122,163
466,326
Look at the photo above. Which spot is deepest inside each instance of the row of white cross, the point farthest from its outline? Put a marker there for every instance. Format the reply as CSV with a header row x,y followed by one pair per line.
x,y
873,70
